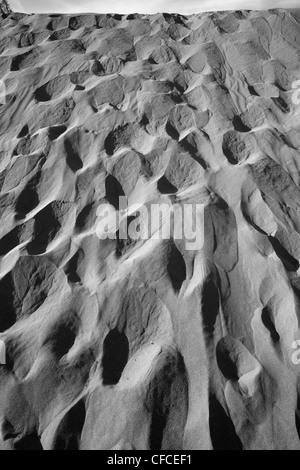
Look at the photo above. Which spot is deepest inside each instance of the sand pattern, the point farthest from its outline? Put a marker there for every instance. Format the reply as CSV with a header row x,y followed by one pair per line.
x,y
143,344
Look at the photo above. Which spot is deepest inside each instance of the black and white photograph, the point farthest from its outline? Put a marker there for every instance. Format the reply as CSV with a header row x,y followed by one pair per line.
x,y
149,227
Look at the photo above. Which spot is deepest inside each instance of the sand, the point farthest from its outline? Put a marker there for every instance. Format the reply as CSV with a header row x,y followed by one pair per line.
x,y
144,344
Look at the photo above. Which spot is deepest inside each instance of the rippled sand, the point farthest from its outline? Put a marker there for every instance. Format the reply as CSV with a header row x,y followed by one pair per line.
x,y
143,344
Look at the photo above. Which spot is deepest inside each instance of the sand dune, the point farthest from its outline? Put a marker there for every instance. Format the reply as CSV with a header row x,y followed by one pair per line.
x,y
144,344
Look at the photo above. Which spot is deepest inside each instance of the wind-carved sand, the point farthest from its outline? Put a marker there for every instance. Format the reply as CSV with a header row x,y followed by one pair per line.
x,y
115,344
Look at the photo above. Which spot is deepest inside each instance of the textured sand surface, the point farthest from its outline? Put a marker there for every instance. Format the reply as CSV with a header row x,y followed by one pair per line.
x,y
115,344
